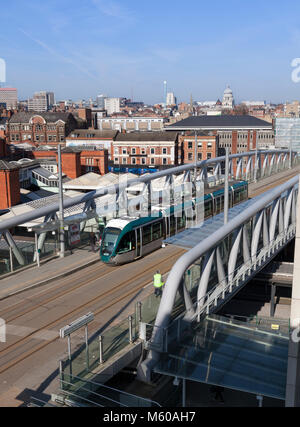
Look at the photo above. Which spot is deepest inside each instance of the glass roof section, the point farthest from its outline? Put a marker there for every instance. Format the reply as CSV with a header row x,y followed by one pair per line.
x,y
191,237
231,354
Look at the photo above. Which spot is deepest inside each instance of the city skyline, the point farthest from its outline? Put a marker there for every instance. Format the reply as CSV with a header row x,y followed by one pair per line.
x,y
80,50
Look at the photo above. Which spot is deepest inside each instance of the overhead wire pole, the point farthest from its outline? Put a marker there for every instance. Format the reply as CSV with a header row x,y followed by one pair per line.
x,y
226,187
195,154
61,207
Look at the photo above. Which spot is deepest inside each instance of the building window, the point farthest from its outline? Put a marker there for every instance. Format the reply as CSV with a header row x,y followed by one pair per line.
x,y
190,145
165,151
116,160
152,150
143,160
133,151
124,161
152,161
124,151
190,156
165,161
208,155
199,144
199,156
133,160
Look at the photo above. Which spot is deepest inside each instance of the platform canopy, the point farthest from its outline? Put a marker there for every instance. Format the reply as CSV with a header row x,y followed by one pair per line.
x,y
192,236
232,354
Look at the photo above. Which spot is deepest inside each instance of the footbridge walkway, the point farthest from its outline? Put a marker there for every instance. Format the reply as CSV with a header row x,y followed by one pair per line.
x,y
203,347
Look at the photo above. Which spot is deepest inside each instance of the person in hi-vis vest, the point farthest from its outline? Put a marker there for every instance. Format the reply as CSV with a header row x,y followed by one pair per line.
x,y
158,283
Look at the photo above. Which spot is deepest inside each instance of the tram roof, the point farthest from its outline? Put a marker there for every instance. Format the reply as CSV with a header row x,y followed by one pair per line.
x,y
191,237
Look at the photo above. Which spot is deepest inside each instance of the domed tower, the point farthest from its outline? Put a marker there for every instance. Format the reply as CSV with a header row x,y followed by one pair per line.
x,y
228,100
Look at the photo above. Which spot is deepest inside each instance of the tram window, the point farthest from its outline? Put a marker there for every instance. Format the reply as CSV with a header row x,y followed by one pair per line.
x,y
127,243
181,222
109,240
218,204
157,231
172,225
147,234
208,208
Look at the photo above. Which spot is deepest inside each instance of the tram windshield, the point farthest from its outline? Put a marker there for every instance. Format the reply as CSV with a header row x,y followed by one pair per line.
x,y
109,240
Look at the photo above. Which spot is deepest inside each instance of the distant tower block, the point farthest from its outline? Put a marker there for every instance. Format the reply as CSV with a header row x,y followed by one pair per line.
x,y
165,92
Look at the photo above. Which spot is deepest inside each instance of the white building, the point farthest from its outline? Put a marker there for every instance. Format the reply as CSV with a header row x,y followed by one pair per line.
x,y
130,124
171,99
112,105
254,103
228,100
9,96
41,101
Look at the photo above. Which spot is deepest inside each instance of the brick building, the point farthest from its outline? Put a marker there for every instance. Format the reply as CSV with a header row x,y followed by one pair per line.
x,y
75,161
207,147
145,149
239,133
9,97
131,124
41,128
9,185
91,138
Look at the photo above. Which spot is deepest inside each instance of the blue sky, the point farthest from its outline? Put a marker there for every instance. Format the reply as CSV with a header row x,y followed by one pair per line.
x,y
81,48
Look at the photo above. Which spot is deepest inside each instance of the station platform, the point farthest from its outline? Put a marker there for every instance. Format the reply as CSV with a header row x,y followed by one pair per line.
x,y
49,271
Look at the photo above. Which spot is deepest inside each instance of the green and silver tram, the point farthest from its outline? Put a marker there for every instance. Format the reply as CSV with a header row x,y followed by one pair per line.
x,y
127,239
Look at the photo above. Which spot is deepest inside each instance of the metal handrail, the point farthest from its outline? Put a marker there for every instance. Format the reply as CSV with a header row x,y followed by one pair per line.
x,y
124,393
227,281
117,188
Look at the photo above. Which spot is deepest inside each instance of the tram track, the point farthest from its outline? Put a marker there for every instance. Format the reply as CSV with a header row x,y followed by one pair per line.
x,y
105,272
12,347
53,298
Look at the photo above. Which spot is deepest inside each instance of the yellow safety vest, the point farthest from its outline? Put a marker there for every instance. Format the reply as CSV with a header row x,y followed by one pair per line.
x,y
157,282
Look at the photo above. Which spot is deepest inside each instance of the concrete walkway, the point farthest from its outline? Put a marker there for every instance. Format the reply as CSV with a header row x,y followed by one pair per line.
x,y
52,270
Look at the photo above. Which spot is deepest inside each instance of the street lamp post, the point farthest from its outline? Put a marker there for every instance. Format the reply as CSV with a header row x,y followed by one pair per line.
x,y
61,207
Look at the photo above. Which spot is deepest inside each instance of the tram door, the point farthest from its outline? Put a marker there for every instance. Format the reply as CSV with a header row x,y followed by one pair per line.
x,y
138,239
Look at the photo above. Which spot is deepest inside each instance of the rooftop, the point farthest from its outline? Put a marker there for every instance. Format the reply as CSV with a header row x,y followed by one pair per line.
x,y
221,122
92,133
24,117
147,136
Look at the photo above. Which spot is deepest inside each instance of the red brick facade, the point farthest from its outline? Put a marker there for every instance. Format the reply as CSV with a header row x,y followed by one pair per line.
x,y
207,148
40,128
10,188
75,164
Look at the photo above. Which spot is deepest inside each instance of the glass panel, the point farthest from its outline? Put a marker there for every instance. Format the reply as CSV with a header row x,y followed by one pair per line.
x,y
109,240
228,353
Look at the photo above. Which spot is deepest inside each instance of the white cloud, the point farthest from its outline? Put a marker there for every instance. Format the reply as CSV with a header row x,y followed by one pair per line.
x,y
112,9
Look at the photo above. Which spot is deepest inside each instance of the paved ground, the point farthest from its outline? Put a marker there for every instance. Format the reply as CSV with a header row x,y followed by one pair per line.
x,y
23,380
51,270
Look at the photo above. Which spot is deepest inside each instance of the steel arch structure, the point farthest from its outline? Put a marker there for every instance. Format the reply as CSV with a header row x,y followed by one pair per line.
x,y
252,239
242,166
